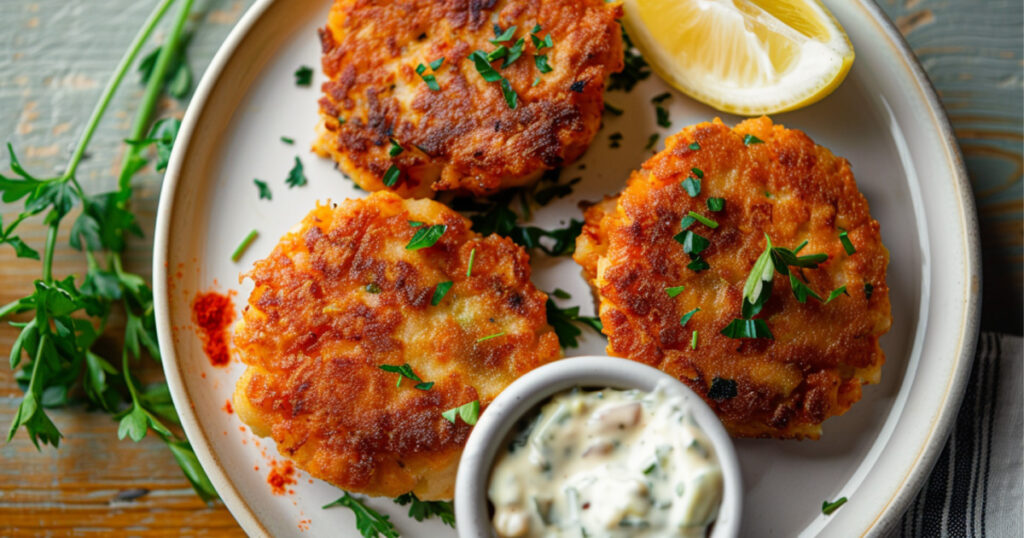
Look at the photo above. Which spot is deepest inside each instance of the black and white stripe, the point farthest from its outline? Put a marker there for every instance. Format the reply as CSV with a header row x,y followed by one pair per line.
x,y
953,501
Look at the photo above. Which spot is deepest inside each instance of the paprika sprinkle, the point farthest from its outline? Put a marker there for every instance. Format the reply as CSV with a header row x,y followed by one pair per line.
x,y
213,313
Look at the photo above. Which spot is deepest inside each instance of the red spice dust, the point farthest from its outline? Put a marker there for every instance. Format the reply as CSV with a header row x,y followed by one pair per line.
x,y
281,474
227,407
213,313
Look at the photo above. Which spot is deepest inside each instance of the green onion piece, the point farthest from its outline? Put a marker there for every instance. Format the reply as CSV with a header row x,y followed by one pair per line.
x,y
497,53
469,268
488,337
395,149
716,204
511,97
415,223
844,238
703,220
426,237
674,290
440,291
692,186
747,328
420,69
693,340
240,249
470,413
686,317
751,139
800,247
391,176
836,293
828,507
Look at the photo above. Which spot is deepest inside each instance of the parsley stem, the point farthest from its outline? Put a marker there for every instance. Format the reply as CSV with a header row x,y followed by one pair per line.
x,y
51,242
9,308
113,84
154,88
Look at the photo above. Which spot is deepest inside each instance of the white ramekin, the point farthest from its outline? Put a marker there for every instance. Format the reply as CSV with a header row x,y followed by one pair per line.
x,y
523,396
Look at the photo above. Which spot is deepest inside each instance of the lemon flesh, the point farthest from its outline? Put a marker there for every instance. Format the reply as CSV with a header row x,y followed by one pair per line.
x,y
742,56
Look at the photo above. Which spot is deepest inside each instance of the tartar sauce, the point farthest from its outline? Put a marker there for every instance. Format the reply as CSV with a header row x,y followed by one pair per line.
x,y
608,463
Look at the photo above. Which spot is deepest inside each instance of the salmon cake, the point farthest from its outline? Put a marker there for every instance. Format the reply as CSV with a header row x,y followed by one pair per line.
x,y
745,263
475,97
368,322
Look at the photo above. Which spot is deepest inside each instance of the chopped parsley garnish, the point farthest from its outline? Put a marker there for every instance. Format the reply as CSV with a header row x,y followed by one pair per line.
x,y
693,243
662,116
697,264
536,81
391,176
561,294
749,139
490,336
563,321
747,328
801,290
287,140
414,223
686,317
697,172
615,138
440,291
369,522
634,69
694,146
304,76
835,293
868,290
538,43
264,189
692,186
500,36
296,176
469,412
687,221
511,98
716,204
661,97
497,53
436,64
405,371
341,120
560,190
429,79
703,220
469,267
674,290
844,238
494,215
612,109
515,52
483,66
372,287
722,389
240,249
693,340
420,510
828,507
541,61
652,140
396,149
426,237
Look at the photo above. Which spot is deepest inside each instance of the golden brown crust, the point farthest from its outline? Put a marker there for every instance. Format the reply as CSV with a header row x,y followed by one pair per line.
x,y
313,337
463,137
788,188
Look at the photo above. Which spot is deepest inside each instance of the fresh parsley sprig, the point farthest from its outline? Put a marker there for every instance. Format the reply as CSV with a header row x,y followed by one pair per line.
x,y
420,510
369,522
54,353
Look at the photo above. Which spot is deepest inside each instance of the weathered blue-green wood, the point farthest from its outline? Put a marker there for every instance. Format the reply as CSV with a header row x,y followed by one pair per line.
x,y
55,57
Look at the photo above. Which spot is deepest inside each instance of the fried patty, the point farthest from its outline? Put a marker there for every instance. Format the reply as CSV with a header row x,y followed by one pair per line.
x,y
340,296
464,136
786,187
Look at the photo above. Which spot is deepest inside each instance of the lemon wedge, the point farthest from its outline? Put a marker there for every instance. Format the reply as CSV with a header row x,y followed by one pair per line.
x,y
743,56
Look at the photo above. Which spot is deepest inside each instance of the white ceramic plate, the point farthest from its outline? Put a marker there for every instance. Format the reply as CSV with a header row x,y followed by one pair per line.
x,y
885,119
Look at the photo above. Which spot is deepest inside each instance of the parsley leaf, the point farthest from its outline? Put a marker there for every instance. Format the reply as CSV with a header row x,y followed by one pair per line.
x,y
747,328
420,510
661,115
563,320
369,522
716,204
828,507
504,36
691,186
749,139
651,141
303,76
391,176
426,237
469,412
674,290
265,193
541,61
511,98
396,149
686,317
440,291
405,371
483,66
514,53
634,69
296,176
694,146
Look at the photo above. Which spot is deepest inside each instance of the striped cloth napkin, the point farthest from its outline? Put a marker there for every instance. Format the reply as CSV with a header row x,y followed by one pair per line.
x,y
976,486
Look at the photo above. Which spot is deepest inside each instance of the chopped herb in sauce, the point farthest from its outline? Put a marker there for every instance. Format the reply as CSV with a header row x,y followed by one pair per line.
x,y
634,69
611,109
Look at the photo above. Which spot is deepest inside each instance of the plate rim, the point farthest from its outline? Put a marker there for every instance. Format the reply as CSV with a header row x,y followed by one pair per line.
x,y
934,440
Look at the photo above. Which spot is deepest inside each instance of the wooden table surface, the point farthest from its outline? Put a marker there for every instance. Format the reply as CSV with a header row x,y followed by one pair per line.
x,y
55,57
